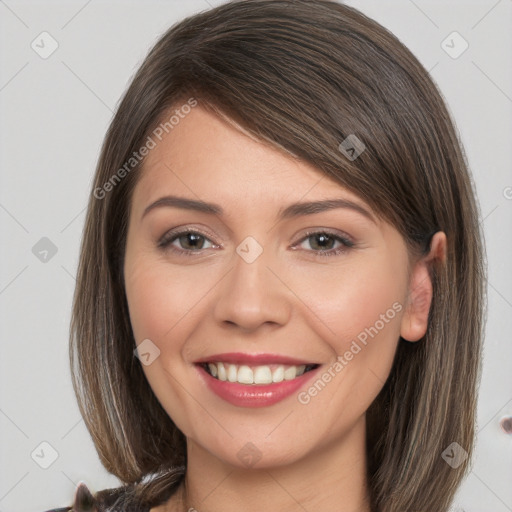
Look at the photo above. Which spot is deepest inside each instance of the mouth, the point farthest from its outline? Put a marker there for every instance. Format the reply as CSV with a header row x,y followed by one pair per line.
x,y
254,375
254,380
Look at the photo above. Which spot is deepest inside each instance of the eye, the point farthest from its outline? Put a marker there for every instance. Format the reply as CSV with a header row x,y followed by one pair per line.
x,y
190,242
323,242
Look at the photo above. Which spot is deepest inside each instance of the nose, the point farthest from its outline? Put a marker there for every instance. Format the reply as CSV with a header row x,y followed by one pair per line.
x,y
253,294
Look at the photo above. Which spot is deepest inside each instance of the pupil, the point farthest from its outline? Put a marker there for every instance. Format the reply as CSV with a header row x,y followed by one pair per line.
x,y
323,239
193,238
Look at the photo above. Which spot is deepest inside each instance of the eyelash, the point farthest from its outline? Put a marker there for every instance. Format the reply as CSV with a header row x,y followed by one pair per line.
x,y
167,239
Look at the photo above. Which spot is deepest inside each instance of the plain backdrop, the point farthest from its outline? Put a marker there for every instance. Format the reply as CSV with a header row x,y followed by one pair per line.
x,y
55,112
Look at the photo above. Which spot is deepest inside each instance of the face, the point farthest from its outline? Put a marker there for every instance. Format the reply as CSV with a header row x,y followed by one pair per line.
x,y
308,305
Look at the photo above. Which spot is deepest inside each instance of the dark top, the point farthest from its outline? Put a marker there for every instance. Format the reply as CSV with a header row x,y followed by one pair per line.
x,y
107,500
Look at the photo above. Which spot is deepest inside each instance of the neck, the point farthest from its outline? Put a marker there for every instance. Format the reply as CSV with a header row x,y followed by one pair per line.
x,y
333,477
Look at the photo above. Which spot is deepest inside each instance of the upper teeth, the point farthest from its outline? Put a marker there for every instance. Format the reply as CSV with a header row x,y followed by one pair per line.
x,y
256,375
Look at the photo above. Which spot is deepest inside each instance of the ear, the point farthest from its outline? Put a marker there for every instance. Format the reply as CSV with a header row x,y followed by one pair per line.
x,y
415,318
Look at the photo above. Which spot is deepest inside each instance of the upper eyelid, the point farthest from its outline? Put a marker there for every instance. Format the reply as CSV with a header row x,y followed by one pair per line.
x,y
335,233
175,233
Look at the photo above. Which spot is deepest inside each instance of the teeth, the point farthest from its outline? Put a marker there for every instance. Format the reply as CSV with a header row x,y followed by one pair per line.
x,y
221,372
245,375
213,369
256,375
290,373
232,373
262,375
301,369
278,374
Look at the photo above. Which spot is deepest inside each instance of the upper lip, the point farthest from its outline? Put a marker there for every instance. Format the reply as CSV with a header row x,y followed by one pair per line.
x,y
252,359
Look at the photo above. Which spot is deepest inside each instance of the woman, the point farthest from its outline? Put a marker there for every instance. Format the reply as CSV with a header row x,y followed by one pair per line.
x,y
280,290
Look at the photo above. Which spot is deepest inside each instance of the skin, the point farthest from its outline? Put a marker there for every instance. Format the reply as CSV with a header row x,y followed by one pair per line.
x,y
288,301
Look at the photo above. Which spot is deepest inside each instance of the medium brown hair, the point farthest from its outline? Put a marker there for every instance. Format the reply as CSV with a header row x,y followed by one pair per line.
x,y
301,76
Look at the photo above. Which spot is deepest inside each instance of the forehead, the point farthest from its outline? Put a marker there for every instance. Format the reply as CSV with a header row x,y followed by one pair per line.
x,y
204,156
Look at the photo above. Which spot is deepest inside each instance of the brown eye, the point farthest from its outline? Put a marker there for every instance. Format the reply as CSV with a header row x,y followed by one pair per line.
x,y
323,243
187,242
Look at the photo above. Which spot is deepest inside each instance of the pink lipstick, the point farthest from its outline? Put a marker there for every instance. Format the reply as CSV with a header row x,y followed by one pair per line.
x,y
254,380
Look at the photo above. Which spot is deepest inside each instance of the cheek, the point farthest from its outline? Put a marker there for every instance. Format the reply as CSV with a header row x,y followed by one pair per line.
x,y
155,301
158,306
166,303
350,299
362,308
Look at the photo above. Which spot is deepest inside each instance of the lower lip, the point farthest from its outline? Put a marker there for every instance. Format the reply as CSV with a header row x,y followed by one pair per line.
x,y
254,395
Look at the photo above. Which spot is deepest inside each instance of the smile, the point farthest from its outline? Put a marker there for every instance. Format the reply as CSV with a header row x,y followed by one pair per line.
x,y
254,380
254,375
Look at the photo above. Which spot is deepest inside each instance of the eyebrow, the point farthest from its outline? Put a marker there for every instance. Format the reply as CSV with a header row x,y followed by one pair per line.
x,y
292,210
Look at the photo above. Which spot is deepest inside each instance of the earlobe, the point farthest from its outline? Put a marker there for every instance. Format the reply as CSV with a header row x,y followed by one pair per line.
x,y
417,308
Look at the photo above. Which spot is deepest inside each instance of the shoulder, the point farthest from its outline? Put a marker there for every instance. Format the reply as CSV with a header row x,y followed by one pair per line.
x,y
108,500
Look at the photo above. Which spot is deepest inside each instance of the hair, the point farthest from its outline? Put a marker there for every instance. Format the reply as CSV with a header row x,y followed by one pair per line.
x,y
300,76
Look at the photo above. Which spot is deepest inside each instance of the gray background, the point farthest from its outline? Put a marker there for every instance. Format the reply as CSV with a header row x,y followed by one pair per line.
x,y
55,112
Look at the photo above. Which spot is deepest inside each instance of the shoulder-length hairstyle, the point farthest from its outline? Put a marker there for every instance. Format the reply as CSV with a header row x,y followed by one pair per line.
x,y
302,76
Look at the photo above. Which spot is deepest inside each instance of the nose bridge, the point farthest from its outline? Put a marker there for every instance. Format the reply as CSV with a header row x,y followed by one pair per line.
x,y
251,294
